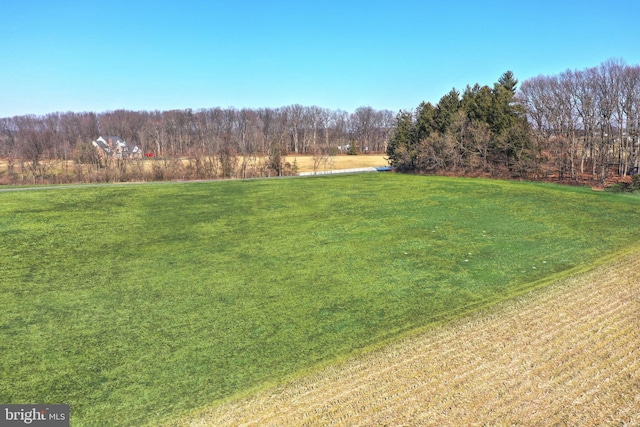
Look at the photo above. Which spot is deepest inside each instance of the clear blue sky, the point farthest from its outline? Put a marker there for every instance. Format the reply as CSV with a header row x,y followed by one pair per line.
x,y
340,54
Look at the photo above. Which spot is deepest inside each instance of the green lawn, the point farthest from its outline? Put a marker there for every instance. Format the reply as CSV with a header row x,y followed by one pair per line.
x,y
137,303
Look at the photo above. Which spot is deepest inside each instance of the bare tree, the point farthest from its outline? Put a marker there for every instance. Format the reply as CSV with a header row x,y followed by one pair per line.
x,y
590,116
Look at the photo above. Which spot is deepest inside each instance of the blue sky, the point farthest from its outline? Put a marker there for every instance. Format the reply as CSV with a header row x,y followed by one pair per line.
x,y
160,55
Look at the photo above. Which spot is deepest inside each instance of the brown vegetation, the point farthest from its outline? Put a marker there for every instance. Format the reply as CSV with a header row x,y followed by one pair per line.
x,y
184,168
567,354
203,144
306,163
586,121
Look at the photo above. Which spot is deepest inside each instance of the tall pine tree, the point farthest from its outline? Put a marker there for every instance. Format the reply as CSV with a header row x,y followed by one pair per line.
x,y
401,149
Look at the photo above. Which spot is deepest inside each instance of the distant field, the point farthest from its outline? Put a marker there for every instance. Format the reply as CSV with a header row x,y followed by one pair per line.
x,y
136,304
566,355
305,163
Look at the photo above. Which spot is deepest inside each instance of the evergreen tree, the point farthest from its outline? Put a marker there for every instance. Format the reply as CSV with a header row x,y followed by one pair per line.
x,y
513,144
477,102
425,120
447,107
504,111
508,81
401,149
484,130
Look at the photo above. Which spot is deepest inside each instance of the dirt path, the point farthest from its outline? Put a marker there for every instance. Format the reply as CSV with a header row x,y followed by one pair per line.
x,y
565,355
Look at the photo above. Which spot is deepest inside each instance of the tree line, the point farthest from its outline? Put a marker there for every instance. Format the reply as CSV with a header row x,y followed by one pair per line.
x,y
207,143
578,126
586,121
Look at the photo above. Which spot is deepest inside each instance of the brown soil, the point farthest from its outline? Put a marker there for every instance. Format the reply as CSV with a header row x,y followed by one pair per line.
x,y
567,354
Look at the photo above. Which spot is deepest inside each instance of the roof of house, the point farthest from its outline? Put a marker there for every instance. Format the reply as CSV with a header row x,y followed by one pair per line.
x,y
101,144
116,140
108,143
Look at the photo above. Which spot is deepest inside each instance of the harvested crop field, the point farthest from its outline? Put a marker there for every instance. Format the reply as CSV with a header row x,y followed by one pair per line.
x,y
566,354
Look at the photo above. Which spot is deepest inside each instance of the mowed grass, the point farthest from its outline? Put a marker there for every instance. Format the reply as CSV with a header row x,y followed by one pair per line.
x,y
138,303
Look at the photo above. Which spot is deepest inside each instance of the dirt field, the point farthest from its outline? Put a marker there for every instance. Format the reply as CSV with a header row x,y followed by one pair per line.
x,y
568,354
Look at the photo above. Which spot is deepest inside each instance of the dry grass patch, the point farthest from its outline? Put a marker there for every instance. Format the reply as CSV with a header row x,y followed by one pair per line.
x,y
567,354
305,163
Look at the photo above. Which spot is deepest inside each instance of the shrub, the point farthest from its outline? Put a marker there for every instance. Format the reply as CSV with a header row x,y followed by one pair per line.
x,y
625,187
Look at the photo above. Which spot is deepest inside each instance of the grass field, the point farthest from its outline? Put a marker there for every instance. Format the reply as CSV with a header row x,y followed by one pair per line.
x,y
138,303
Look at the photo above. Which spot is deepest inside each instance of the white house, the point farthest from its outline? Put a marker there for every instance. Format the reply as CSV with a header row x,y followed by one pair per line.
x,y
116,147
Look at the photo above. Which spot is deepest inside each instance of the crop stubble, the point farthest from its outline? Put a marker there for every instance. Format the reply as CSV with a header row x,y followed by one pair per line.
x,y
567,354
